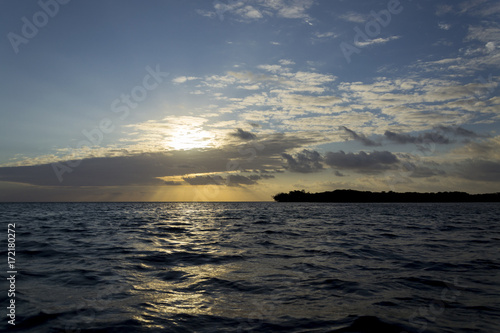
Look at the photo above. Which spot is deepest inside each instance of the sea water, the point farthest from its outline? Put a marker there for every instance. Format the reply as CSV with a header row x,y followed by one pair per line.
x,y
253,267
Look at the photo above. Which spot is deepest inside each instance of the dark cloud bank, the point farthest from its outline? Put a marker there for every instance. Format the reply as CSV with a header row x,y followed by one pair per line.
x,y
436,137
145,168
265,155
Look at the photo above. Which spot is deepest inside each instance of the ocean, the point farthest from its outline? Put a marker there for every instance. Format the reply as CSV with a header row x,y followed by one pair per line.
x,y
251,267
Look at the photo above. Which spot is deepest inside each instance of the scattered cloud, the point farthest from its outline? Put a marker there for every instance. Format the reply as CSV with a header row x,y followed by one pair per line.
x,y
483,34
480,170
490,46
458,131
172,183
275,91
444,26
424,138
374,162
471,6
246,10
420,104
359,137
376,41
295,9
304,162
286,62
354,17
182,79
326,35
229,180
420,171
249,12
485,149
243,135
204,180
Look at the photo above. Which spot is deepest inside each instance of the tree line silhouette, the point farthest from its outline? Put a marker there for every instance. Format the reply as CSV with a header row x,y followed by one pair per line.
x,y
367,196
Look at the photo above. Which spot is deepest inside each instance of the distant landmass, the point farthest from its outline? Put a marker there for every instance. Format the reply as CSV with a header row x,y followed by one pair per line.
x,y
367,196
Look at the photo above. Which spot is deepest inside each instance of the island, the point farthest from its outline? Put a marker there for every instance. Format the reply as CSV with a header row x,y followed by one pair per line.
x,y
367,196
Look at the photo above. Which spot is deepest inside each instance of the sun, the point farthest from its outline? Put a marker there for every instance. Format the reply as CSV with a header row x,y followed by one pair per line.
x,y
185,137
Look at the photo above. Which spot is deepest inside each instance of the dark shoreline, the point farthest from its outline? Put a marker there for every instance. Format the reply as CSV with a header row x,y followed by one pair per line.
x,y
367,196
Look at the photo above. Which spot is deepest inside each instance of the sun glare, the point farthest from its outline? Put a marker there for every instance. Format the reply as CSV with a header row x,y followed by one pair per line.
x,y
186,137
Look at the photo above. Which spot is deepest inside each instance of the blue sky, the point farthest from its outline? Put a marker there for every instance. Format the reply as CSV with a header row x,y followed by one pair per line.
x,y
239,99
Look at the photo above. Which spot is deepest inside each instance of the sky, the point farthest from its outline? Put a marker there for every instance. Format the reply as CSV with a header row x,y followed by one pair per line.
x,y
237,100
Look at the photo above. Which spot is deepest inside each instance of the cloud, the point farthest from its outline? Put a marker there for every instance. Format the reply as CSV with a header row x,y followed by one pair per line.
x,y
359,137
480,170
250,87
282,92
421,104
171,183
243,135
294,9
458,131
474,6
431,137
476,161
488,149
483,34
354,17
182,79
479,52
329,123
228,180
205,180
329,34
304,162
271,68
261,176
374,162
206,13
172,132
420,171
140,169
148,168
249,12
490,46
286,62
246,10
376,41
444,26
236,180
